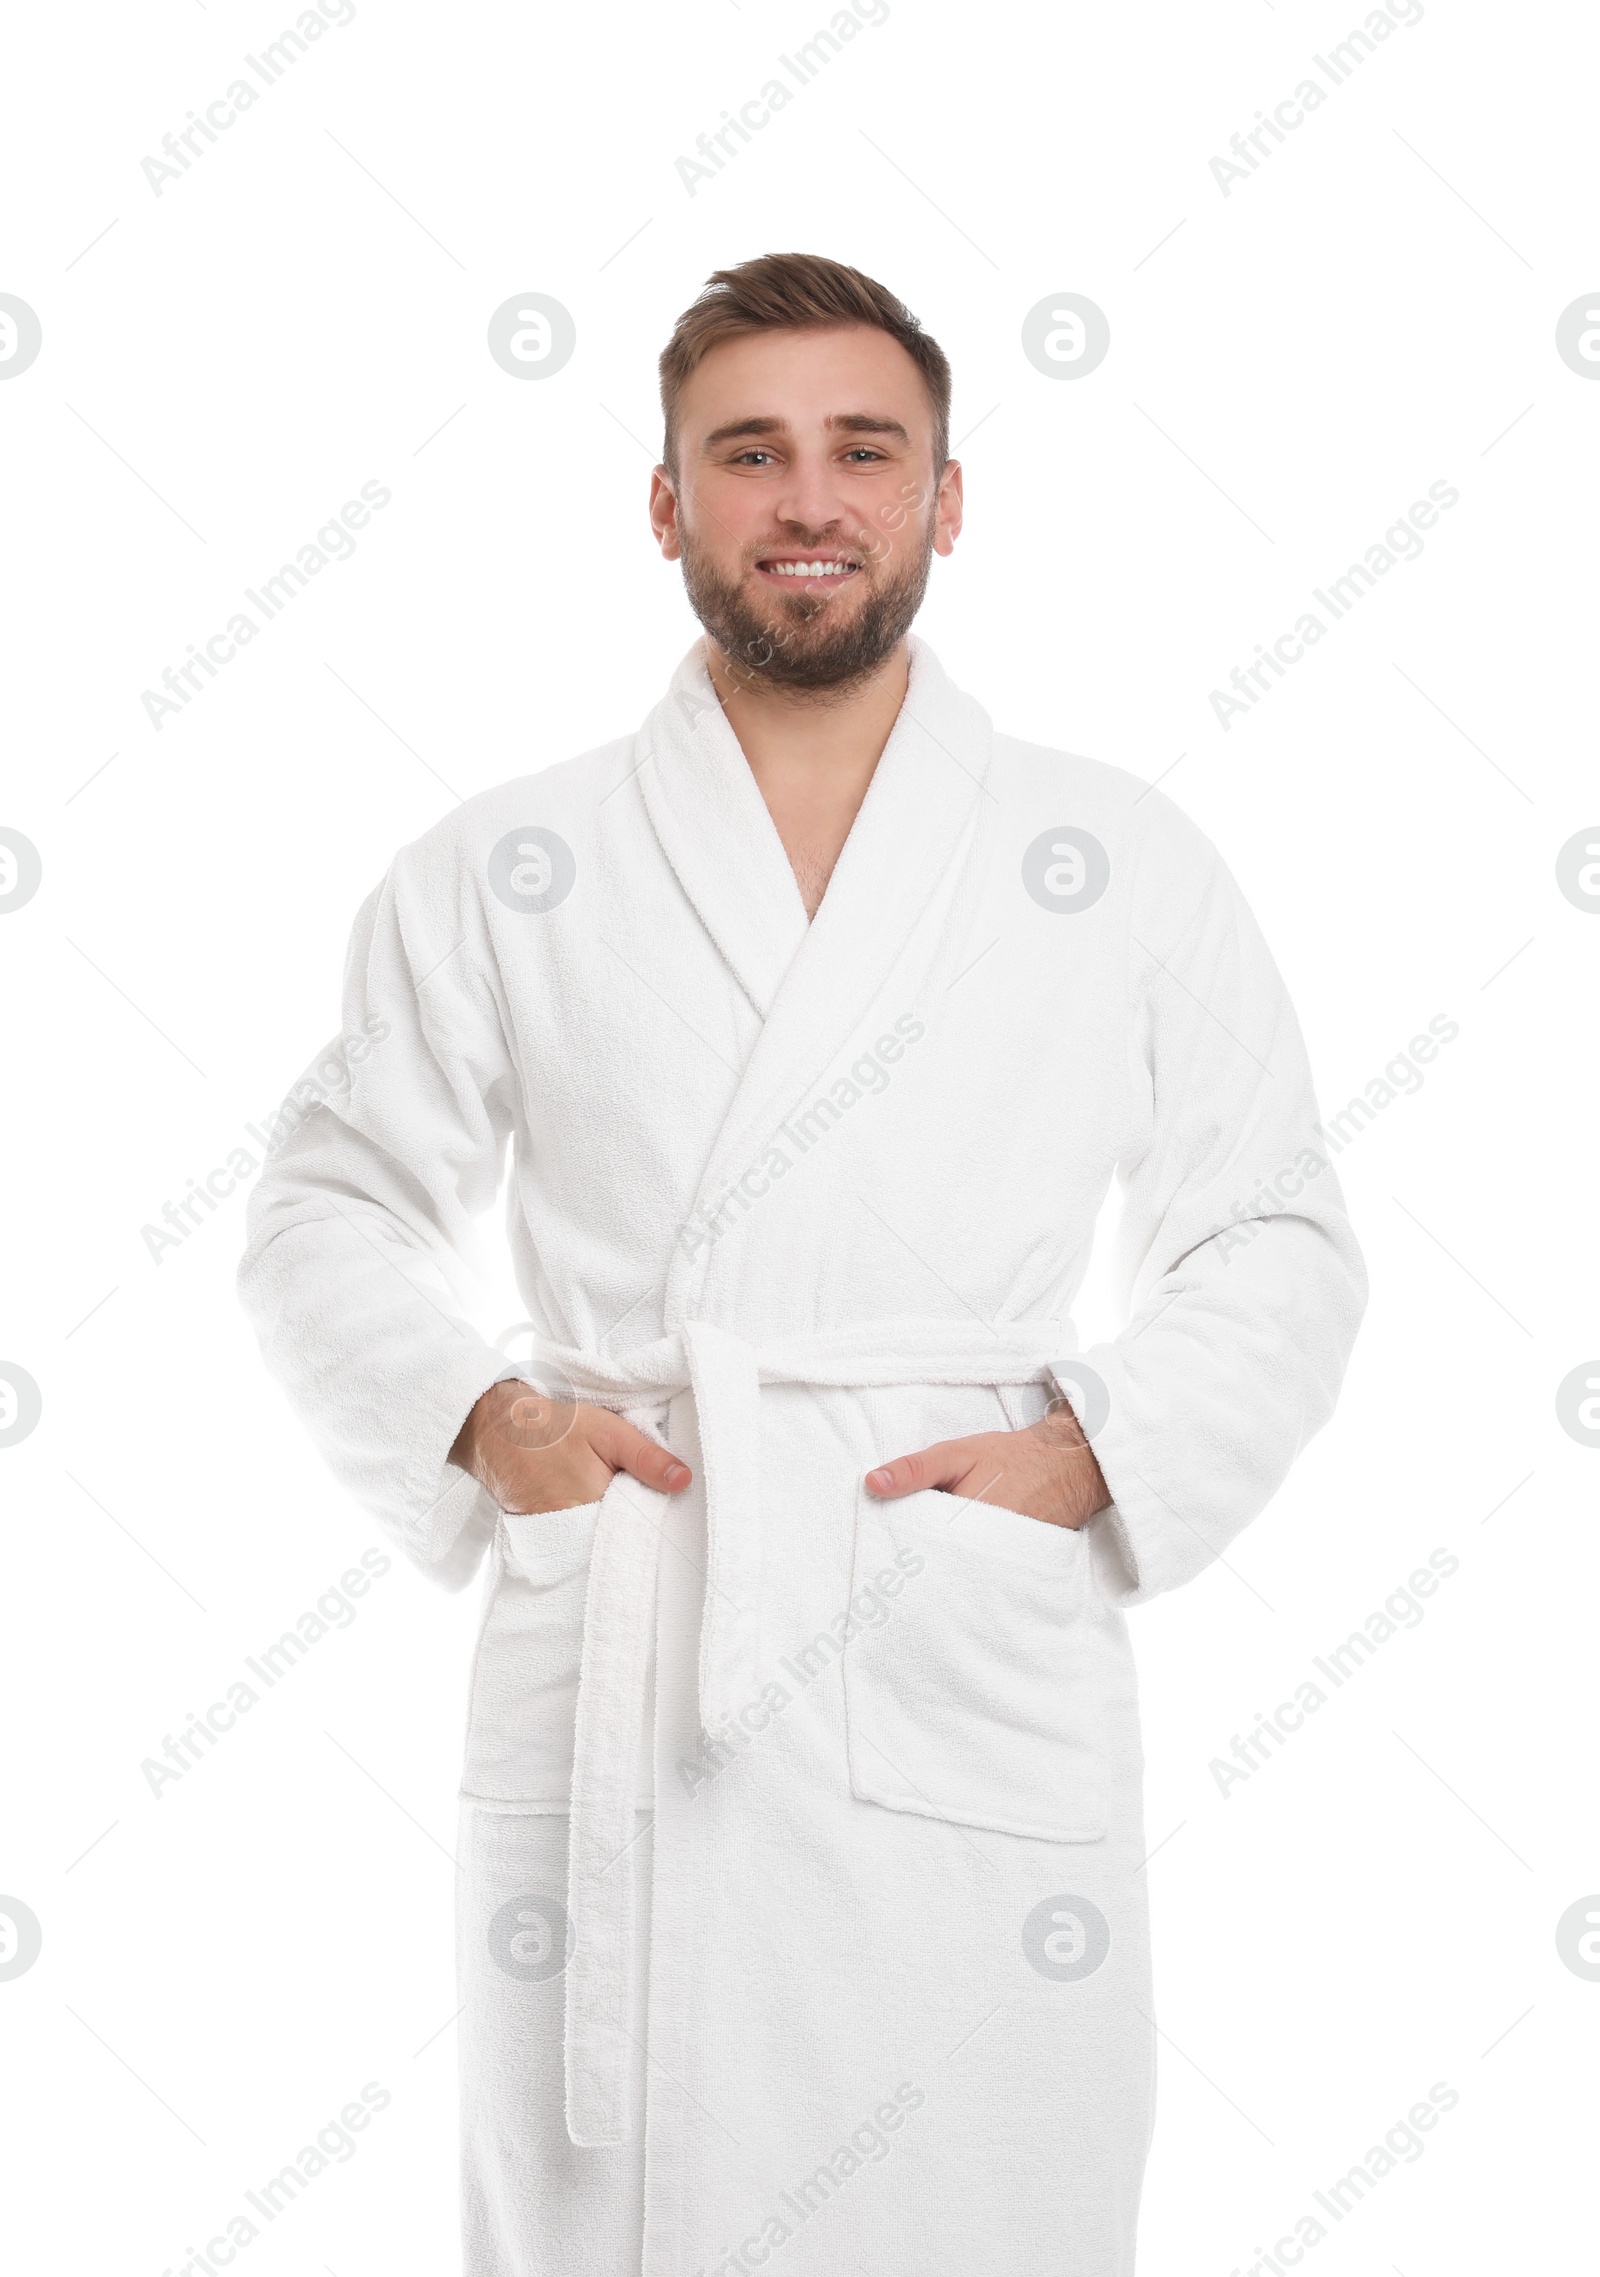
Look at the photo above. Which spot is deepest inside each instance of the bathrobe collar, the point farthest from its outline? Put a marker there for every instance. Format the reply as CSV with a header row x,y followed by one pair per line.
x,y
712,822
900,892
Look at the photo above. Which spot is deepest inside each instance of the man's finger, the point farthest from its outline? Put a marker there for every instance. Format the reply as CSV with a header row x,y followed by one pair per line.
x,y
937,1465
616,1441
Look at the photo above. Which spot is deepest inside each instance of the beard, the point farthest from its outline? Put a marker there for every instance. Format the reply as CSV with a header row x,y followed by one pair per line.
x,y
792,640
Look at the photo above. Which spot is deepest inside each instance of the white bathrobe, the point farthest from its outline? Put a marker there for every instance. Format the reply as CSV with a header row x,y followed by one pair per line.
x,y
800,1919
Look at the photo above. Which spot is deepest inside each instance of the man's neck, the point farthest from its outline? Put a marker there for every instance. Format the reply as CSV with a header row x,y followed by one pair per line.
x,y
812,753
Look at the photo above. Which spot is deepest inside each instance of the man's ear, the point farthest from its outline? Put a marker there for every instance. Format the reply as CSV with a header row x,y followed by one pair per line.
x,y
664,512
948,508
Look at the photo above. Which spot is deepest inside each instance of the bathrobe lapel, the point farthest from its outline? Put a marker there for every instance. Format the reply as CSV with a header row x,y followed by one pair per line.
x,y
898,906
715,831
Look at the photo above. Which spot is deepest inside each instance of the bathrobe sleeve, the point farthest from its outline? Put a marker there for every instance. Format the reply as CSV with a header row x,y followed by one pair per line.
x,y
380,1160
1243,1279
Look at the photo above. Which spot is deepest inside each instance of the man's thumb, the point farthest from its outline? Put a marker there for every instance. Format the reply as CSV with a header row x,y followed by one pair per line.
x,y
617,1442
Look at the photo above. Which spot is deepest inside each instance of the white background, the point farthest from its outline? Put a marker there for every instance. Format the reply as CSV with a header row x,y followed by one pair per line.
x,y
1292,364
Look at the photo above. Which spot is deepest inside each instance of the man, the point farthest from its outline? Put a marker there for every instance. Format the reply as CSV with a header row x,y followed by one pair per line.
x,y
800,1919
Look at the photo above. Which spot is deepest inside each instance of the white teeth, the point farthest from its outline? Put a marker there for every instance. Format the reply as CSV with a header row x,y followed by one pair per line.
x,y
811,568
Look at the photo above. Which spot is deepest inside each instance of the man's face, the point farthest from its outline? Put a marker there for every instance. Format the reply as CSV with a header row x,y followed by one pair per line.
x,y
806,511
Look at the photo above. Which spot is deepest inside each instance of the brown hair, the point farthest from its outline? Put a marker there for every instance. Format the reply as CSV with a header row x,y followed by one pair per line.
x,y
797,292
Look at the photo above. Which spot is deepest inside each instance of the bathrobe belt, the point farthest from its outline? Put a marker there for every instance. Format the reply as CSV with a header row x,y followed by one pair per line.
x,y
725,1374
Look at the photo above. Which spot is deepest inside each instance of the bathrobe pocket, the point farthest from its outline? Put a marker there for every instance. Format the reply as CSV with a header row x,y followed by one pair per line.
x,y
523,1698
975,1689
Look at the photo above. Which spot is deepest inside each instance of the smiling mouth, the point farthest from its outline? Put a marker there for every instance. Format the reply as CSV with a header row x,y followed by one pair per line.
x,y
813,572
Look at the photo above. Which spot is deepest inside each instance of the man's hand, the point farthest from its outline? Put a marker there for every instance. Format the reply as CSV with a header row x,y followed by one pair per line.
x,y
1047,1472
534,1453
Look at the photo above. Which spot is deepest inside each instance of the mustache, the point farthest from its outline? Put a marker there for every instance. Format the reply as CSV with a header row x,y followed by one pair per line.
x,y
836,549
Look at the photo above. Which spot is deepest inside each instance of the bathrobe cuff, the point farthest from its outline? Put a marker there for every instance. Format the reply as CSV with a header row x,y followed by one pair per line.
x,y
461,1514
457,1516
1143,1544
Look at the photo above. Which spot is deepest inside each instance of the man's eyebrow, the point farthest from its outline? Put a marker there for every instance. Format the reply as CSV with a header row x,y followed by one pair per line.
x,y
867,423
840,422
